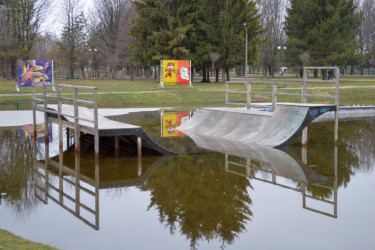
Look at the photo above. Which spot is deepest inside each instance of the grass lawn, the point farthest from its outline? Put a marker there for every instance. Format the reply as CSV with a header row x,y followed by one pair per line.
x,y
128,94
10,241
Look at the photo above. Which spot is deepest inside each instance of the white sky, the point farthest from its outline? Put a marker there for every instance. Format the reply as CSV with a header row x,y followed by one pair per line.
x,y
54,21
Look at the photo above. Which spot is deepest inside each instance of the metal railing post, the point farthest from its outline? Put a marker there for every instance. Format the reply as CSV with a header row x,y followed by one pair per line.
x,y
274,96
45,107
304,100
226,93
34,108
248,96
337,106
59,116
76,122
304,86
139,149
96,128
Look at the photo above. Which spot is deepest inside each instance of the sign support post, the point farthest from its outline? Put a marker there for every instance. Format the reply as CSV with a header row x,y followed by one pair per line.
x,y
161,74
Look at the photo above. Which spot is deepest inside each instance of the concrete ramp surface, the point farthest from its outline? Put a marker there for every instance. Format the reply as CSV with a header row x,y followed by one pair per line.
x,y
270,129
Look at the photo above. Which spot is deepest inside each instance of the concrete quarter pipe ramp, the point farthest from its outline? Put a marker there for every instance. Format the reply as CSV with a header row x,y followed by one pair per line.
x,y
270,129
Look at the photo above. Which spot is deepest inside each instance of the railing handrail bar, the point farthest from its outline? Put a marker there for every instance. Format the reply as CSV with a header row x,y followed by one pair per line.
x,y
78,87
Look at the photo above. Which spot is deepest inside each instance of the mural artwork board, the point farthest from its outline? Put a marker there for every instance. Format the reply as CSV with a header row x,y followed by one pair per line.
x,y
37,69
175,72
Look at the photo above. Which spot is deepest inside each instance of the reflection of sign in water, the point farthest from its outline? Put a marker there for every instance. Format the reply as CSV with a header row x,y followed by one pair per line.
x,y
36,68
27,133
175,72
171,120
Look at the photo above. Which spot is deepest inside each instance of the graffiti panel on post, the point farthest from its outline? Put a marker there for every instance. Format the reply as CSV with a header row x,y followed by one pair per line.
x,y
36,68
175,72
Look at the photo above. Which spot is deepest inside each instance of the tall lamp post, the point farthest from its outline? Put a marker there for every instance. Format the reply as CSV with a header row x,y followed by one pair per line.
x,y
246,35
282,48
93,65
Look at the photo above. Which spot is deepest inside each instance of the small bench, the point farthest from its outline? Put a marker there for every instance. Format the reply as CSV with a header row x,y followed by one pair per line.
x,y
18,104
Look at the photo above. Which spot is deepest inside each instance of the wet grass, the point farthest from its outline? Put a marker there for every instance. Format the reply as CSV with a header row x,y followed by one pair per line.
x,y
10,241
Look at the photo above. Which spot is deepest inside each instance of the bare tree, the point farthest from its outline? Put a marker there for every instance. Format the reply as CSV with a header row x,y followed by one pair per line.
x,y
111,30
272,16
45,42
72,20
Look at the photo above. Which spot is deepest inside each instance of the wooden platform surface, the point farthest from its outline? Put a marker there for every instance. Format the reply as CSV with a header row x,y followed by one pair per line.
x,y
106,127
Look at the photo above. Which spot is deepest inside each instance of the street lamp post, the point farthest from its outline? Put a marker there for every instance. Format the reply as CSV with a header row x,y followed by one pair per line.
x,y
282,48
246,74
93,65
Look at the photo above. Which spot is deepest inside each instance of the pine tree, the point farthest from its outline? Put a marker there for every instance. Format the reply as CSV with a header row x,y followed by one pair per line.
x,y
162,30
194,29
325,29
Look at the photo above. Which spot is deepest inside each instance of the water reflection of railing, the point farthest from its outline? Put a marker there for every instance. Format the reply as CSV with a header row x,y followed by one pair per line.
x,y
272,175
60,191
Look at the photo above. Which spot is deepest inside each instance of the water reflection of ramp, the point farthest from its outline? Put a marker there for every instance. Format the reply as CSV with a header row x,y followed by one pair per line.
x,y
250,160
271,129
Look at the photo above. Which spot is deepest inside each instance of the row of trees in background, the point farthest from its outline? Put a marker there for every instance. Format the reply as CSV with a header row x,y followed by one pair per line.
x,y
19,28
196,30
140,33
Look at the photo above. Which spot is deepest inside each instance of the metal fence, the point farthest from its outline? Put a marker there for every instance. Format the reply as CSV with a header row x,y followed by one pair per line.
x,y
60,113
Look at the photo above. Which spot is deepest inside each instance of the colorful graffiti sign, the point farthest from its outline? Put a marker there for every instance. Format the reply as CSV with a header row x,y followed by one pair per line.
x,y
36,68
175,72
27,133
171,120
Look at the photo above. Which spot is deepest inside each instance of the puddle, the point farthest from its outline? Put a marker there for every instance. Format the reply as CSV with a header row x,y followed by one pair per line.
x,y
212,195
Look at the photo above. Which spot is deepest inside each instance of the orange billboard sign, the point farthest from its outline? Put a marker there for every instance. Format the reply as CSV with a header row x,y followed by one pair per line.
x,y
175,72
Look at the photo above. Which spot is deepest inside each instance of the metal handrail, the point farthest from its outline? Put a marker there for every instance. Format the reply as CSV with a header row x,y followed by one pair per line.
x,y
60,113
274,93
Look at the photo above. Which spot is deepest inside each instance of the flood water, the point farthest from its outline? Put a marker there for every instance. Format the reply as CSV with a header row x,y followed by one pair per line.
x,y
212,195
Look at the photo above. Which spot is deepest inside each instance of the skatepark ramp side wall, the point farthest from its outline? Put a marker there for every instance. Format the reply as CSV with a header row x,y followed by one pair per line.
x,y
270,129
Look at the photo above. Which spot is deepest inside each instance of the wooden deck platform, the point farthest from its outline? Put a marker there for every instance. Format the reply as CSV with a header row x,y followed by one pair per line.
x,y
106,127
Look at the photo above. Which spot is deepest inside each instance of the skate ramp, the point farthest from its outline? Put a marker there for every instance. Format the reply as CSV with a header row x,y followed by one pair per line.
x,y
251,127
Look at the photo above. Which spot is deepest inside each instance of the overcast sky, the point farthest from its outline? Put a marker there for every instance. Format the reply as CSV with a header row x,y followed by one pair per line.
x,y
54,21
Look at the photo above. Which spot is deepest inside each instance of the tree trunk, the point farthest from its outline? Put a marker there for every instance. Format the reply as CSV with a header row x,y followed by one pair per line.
x,y
324,74
208,72
315,73
223,75
227,73
83,72
269,69
204,74
217,75
13,68
114,71
352,70
238,71
131,72
362,71
8,71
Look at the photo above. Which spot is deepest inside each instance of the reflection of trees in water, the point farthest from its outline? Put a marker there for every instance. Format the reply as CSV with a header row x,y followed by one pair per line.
x,y
355,151
16,171
197,193
365,144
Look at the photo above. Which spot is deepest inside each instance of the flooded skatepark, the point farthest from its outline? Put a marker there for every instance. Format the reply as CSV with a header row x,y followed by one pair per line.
x,y
209,195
